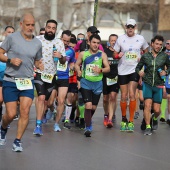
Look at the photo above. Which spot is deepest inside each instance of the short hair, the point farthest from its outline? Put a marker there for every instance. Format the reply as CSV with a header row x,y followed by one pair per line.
x,y
67,32
9,27
73,36
94,36
52,21
113,35
157,37
81,34
24,15
42,29
73,41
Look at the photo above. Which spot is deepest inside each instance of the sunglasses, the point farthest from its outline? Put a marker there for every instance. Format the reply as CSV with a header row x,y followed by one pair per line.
x,y
167,43
130,26
80,39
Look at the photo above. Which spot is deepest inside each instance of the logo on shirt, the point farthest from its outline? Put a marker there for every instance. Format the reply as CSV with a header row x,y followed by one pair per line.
x,y
96,58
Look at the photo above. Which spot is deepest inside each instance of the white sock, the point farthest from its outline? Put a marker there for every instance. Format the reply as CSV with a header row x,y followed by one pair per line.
x,y
68,111
169,116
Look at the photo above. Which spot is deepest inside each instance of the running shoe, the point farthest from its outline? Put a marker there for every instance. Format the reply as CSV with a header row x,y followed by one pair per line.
x,y
67,124
109,124
57,128
63,119
123,126
154,123
17,146
130,127
44,120
82,123
114,118
91,126
87,132
148,131
162,120
168,122
16,117
105,120
3,137
136,116
49,114
38,131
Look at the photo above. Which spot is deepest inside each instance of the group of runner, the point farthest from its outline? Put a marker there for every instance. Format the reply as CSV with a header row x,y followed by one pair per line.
x,y
71,73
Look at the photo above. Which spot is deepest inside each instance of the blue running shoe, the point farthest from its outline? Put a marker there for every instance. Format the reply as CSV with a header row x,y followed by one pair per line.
x,y
17,146
38,131
57,128
44,120
3,137
91,127
87,132
49,114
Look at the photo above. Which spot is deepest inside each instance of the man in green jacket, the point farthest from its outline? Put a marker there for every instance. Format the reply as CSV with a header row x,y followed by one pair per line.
x,y
154,63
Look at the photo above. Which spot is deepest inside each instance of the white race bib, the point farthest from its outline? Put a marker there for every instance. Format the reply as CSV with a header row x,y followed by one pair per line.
x,y
111,81
131,57
48,78
23,83
62,67
89,70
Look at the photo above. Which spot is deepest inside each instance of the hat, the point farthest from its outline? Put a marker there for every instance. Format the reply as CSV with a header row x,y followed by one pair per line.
x,y
131,22
93,29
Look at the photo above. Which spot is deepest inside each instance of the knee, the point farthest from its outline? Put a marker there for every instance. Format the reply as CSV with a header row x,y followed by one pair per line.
x,y
41,98
105,99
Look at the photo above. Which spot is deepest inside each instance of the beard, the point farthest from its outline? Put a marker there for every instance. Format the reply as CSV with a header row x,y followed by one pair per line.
x,y
48,36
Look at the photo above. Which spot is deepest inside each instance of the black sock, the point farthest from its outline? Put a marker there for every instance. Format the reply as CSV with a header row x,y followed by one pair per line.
x,y
87,117
17,140
124,119
92,112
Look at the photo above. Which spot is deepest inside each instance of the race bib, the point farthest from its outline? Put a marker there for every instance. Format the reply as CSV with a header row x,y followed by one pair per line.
x,y
62,67
23,83
47,77
89,70
111,81
131,57
71,72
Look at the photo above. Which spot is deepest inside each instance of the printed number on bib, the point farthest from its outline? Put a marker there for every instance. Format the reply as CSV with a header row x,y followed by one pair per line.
x,y
111,81
89,70
23,83
62,67
131,57
47,77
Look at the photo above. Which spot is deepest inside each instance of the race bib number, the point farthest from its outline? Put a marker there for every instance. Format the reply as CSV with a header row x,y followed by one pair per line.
x,y
111,81
131,57
71,72
23,83
62,67
48,78
89,70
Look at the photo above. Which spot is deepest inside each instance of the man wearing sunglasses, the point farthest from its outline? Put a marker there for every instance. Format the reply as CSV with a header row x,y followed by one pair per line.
x,y
129,46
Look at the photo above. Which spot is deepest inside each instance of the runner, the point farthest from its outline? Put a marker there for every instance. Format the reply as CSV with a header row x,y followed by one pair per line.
x,y
23,52
129,45
91,81
153,81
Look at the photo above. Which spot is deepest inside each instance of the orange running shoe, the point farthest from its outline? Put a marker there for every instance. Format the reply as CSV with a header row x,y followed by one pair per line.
x,y
105,120
109,124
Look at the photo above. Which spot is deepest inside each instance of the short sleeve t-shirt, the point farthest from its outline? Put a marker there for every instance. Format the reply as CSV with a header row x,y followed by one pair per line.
x,y
63,69
131,47
28,51
47,53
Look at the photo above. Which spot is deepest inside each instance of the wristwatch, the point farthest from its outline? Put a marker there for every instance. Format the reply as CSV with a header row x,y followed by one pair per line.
x,y
8,61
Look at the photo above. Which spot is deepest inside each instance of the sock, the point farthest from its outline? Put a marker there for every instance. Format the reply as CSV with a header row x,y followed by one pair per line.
x,y
0,113
92,112
169,116
87,116
163,108
148,126
81,109
132,107
3,132
123,106
68,111
72,115
38,122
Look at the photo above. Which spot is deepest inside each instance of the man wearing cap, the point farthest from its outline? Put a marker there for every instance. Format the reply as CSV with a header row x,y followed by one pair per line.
x,y
84,45
129,45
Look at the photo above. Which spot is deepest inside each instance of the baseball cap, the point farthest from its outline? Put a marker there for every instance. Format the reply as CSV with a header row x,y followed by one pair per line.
x,y
93,29
131,22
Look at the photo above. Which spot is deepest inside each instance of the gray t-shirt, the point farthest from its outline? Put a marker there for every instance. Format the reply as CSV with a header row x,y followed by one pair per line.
x,y
28,51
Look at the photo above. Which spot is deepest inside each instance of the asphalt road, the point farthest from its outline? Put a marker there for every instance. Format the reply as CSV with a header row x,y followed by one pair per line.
x,y
71,150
